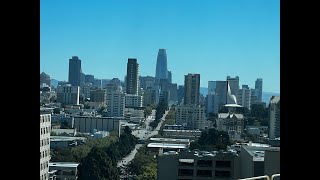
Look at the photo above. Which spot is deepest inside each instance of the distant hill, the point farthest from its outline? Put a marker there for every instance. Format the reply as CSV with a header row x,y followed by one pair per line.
x,y
265,95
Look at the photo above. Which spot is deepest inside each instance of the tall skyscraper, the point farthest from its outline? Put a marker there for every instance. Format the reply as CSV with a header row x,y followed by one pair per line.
x,y
258,87
161,68
234,86
74,71
132,86
192,89
217,95
274,125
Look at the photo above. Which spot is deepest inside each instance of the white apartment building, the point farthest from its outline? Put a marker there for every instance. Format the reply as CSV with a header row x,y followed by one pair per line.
x,y
133,100
68,94
45,129
115,103
193,117
274,125
244,97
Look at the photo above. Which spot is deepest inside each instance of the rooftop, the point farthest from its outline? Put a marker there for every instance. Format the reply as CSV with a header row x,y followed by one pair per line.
x,y
170,140
257,152
64,164
167,146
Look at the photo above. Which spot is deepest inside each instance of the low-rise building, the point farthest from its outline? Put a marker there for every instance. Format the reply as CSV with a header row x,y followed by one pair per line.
x,y
232,123
190,134
57,142
64,170
198,165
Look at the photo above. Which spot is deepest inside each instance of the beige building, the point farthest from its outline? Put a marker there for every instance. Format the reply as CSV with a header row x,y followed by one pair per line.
x,y
45,129
193,117
87,124
133,100
68,94
98,95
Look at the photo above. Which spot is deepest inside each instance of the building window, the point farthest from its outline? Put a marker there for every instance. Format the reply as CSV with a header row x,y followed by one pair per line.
x,y
185,172
204,163
204,173
223,164
222,174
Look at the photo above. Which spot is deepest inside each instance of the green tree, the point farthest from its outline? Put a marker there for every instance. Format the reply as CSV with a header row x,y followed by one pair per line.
x,y
147,111
97,165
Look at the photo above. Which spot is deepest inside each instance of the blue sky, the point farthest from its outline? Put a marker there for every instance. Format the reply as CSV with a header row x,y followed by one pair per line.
x,y
214,38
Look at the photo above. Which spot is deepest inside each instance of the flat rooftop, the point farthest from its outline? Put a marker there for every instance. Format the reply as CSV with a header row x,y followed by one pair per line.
x,y
66,138
257,152
170,140
64,164
174,130
167,146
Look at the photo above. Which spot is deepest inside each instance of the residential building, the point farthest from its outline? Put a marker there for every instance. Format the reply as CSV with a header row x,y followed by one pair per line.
x,y
98,95
193,117
244,97
198,165
97,84
45,130
74,71
274,123
85,90
64,170
67,94
132,86
133,100
115,102
87,124
161,67
191,89
258,87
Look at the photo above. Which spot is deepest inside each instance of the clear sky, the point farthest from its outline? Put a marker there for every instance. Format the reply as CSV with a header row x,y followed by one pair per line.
x,y
214,38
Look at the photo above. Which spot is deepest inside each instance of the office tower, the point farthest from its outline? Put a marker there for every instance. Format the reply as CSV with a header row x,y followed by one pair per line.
x,y
74,71
234,85
146,82
115,81
192,89
104,82
132,86
217,95
161,68
45,129
193,117
85,90
245,97
115,102
98,95
97,83
89,78
212,87
149,97
180,93
274,125
133,101
45,78
169,76
68,94
258,87
82,78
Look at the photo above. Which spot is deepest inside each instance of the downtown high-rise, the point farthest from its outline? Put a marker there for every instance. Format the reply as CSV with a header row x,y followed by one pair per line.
x,y
258,89
161,68
75,72
191,89
132,80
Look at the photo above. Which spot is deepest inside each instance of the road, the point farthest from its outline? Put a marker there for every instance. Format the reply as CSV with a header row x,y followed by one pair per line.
x,y
144,133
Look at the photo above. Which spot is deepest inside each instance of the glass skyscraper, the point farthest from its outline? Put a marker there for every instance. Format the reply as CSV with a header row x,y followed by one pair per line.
x,y
161,68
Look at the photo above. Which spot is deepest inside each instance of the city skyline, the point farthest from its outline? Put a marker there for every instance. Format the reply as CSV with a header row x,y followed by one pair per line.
x,y
214,39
